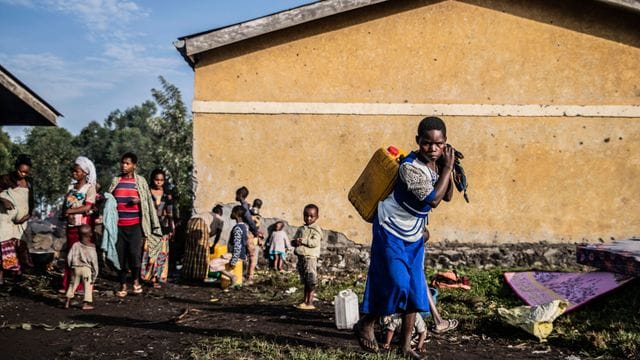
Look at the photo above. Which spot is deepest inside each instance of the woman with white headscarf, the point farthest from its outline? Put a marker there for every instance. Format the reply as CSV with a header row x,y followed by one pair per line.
x,y
77,206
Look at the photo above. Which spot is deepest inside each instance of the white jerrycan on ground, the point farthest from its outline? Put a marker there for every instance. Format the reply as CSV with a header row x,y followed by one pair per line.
x,y
346,309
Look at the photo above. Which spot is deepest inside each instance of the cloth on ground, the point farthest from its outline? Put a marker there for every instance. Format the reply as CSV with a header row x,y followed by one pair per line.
x,y
539,287
536,320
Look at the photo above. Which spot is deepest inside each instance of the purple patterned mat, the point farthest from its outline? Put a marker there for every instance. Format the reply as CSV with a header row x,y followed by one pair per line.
x,y
620,256
537,287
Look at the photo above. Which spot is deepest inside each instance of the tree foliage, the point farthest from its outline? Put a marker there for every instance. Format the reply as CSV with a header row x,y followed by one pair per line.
x,y
52,153
158,131
7,152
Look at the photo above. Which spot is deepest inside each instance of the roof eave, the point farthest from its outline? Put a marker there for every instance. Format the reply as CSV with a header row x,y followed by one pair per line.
x,y
633,5
191,45
41,112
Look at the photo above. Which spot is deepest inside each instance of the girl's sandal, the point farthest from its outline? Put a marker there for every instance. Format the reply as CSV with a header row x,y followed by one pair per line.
x,y
451,324
121,293
137,289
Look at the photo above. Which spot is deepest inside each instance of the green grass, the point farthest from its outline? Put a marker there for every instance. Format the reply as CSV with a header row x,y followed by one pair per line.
x,y
607,327
233,348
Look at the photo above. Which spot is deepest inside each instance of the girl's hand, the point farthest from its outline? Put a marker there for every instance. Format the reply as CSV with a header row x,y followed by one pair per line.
x,y
449,157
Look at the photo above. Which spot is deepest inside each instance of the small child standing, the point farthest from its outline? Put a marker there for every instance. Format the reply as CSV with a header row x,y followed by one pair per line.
x,y
307,241
393,322
83,259
237,244
279,245
257,241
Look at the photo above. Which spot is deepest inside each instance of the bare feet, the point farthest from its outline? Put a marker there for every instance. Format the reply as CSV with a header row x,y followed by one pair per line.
x,y
67,303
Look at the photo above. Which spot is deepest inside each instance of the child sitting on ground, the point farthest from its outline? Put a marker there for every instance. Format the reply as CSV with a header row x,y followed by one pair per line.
x,y
307,241
278,246
393,322
83,259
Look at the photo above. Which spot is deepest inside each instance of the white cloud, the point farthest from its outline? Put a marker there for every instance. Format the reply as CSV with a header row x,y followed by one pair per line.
x,y
98,16
53,78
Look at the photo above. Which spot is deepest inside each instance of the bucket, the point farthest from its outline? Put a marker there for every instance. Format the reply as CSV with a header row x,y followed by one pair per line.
x,y
346,309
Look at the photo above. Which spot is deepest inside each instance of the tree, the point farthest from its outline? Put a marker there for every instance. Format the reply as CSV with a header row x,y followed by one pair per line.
x,y
94,142
131,140
173,129
52,152
134,117
7,153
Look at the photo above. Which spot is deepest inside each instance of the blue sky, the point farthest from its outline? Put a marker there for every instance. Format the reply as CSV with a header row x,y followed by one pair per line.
x,y
89,57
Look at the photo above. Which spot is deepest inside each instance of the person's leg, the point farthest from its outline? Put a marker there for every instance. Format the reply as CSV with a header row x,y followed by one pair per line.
x,y
421,337
312,278
408,323
71,289
251,254
365,333
85,273
387,339
73,236
310,294
440,325
135,254
121,249
432,308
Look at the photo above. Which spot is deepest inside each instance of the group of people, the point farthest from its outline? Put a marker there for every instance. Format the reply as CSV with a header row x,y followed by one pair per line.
x,y
247,236
131,221
132,211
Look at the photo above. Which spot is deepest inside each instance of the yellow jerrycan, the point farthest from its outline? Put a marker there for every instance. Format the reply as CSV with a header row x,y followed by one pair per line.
x,y
218,251
376,181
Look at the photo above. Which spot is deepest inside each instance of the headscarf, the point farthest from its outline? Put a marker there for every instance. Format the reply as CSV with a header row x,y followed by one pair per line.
x,y
87,166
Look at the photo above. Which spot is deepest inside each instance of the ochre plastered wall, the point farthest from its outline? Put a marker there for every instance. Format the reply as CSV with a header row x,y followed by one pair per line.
x,y
532,178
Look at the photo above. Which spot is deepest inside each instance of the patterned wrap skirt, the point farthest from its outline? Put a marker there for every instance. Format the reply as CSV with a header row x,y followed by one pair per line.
x,y
396,281
157,268
196,252
9,256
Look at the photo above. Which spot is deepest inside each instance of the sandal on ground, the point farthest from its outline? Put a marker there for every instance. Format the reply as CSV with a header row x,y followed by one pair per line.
x,y
156,285
365,343
304,306
87,306
137,289
451,324
121,293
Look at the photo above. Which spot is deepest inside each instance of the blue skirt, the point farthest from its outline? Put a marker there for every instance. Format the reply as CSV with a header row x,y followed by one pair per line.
x,y
396,282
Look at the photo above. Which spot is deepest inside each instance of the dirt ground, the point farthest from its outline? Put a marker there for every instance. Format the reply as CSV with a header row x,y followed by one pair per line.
x,y
164,323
